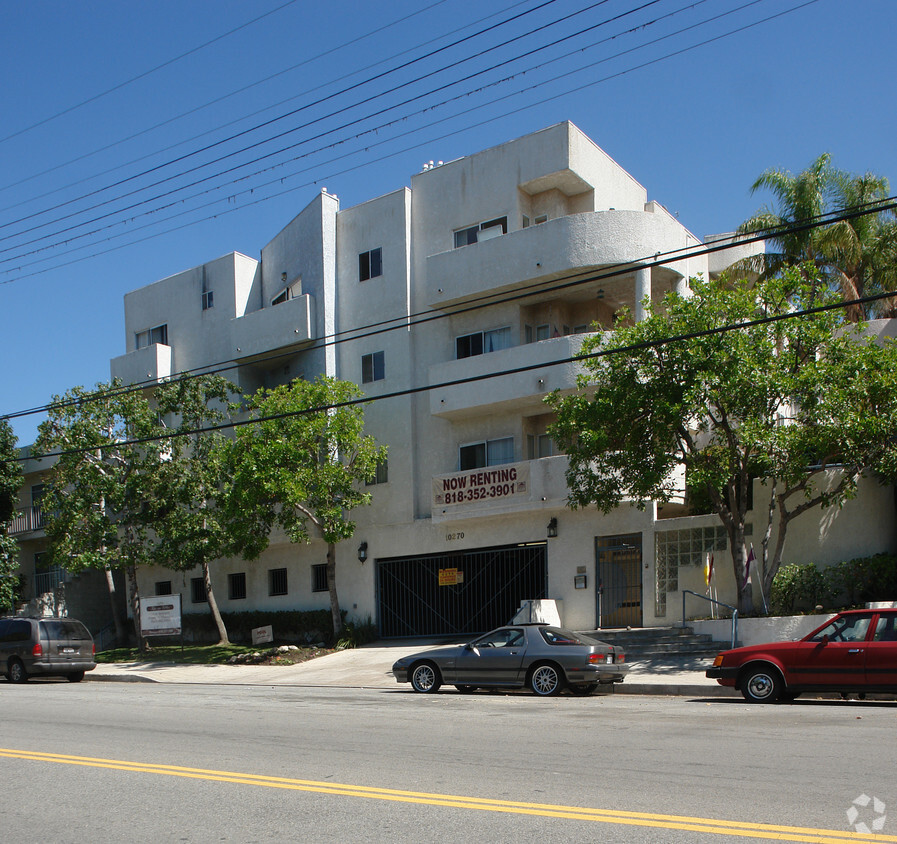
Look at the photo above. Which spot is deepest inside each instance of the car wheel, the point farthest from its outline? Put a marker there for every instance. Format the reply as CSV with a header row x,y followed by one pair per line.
x,y
546,680
466,690
16,672
583,689
425,678
762,685
75,677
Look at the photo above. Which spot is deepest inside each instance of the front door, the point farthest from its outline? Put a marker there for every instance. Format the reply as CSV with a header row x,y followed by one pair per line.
x,y
619,580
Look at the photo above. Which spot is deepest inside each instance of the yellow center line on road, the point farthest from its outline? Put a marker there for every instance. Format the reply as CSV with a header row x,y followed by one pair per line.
x,y
710,826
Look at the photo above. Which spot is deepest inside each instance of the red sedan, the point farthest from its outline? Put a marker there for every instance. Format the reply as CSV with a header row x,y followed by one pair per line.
x,y
856,651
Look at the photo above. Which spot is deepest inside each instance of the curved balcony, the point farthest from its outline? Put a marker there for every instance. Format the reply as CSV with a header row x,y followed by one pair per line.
x,y
557,248
519,391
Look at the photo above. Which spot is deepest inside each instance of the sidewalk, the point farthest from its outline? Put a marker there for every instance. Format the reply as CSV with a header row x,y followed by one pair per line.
x,y
369,667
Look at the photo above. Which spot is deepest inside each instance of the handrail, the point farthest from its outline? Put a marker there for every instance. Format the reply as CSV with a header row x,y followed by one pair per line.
x,y
719,604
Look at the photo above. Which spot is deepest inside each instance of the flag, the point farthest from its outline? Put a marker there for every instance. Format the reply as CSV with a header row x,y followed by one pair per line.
x,y
747,569
708,568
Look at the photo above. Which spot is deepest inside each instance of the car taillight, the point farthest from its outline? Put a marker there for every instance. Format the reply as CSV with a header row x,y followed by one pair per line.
x,y
93,648
595,659
37,650
621,657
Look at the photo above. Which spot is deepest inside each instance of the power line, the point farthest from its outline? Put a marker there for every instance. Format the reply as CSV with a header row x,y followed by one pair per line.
x,y
403,321
400,119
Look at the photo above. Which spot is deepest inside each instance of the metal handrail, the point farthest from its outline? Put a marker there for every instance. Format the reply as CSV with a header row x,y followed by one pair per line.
x,y
719,604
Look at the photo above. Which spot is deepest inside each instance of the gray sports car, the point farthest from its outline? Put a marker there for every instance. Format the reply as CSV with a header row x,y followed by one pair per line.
x,y
545,658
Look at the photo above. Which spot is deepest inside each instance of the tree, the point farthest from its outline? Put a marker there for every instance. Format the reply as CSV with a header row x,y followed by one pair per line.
x,y
10,483
806,403
849,254
99,500
303,462
187,519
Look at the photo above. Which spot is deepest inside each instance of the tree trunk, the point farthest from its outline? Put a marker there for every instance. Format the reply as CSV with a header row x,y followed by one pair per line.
x,y
121,637
142,644
213,605
331,586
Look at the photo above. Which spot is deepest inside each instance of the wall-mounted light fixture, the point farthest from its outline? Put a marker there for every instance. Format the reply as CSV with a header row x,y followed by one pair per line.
x,y
362,552
553,528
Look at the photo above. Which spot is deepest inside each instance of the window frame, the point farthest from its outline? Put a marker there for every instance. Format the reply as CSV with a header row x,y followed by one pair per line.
x,y
274,587
156,335
485,444
198,593
370,264
468,235
319,577
373,367
236,583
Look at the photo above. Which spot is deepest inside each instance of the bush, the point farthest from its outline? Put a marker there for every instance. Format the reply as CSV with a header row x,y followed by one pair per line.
x,y
290,626
797,588
356,633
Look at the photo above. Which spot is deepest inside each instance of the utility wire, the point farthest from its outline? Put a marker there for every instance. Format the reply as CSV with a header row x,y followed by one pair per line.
x,y
404,321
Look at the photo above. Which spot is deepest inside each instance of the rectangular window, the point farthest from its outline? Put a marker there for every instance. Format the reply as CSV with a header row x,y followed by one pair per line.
x,y
208,298
373,367
163,587
539,445
370,264
382,475
277,581
159,334
319,578
481,342
481,231
198,591
489,453
236,586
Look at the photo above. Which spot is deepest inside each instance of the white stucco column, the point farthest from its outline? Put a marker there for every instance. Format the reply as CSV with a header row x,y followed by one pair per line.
x,y
642,290
682,287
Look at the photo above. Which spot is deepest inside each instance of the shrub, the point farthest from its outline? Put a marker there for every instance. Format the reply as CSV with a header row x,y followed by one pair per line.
x,y
290,626
797,587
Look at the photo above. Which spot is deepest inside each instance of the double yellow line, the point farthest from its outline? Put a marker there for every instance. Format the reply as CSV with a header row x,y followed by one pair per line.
x,y
708,826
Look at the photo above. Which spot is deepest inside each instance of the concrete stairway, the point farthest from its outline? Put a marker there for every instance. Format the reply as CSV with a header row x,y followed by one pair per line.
x,y
654,643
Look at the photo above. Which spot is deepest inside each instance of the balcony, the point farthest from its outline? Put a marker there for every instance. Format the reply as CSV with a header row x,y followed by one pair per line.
x,y
287,326
520,392
555,249
496,490
151,363
28,520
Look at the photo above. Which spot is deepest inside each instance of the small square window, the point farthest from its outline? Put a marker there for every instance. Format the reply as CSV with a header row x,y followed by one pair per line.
x,y
198,591
163,587
381,476
208,298
236,585
370,264
319,578
373,367
277,581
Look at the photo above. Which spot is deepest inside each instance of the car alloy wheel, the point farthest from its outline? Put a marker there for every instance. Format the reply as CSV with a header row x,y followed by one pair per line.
x,y
425,678
17,672
545,680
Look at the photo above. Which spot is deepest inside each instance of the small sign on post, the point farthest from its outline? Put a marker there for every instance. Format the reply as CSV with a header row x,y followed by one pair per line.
x,y
160,616
260,635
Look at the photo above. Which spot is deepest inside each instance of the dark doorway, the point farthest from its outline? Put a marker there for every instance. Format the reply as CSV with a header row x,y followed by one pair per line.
x,y
618,560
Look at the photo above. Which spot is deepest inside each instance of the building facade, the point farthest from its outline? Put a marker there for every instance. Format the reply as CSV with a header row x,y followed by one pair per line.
x,y
497,263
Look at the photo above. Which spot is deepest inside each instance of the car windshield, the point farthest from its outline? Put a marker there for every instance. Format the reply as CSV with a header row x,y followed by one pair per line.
x,y
557,636
850,628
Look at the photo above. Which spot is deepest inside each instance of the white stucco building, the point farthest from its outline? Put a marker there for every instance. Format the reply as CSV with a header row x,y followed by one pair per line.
x,y
497,262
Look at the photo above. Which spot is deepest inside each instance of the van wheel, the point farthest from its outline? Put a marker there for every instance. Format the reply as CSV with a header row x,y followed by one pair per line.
x,y
75,677
16,672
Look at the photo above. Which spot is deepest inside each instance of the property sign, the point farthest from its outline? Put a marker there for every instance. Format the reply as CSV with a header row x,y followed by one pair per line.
x,y
260,635
160,616
493,483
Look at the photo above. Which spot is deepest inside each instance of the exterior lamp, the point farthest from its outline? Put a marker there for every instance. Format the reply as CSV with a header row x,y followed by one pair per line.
x,y
553,528
362,552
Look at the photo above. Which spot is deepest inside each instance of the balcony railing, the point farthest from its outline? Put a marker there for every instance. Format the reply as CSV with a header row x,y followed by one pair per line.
x,y
48,581
27,520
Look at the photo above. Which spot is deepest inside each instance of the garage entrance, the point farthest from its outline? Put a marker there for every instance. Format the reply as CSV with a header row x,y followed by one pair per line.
x,y
461,593
619,582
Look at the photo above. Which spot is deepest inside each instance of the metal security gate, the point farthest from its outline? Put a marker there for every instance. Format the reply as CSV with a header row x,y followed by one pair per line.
x,y
619,583
461,593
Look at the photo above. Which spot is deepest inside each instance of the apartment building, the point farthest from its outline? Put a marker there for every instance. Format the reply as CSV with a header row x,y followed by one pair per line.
x,y
489,271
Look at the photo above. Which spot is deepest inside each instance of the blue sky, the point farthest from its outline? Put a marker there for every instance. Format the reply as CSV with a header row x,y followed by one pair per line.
x,y
107,107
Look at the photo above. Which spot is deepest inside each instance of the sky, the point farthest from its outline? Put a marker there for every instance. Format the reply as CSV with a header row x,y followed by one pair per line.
x,y
141,139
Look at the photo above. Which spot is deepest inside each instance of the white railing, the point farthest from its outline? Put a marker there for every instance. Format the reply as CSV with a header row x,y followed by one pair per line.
x,y
29,519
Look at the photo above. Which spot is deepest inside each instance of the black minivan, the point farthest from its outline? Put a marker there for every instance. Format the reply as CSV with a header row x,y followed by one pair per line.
x,y
61,647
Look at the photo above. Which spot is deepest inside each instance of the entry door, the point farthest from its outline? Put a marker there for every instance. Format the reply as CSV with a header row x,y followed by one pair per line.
x,y
619,580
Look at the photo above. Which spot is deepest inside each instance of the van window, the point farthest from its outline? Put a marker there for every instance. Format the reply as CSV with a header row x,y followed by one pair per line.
x,y
66,631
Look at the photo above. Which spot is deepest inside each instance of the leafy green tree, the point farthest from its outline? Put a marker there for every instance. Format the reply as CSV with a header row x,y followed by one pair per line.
x,y
188,519
806,403
10,483
301,466
99,502
856,256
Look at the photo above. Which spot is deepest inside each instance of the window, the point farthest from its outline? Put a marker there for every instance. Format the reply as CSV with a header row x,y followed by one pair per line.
x,y
373,367
159,334
370,264
480,342
198,591
489,453
539,445
207,299
163,587
481,231
277,581
542,218
851,628
281,297
236,585
381,476
319,578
